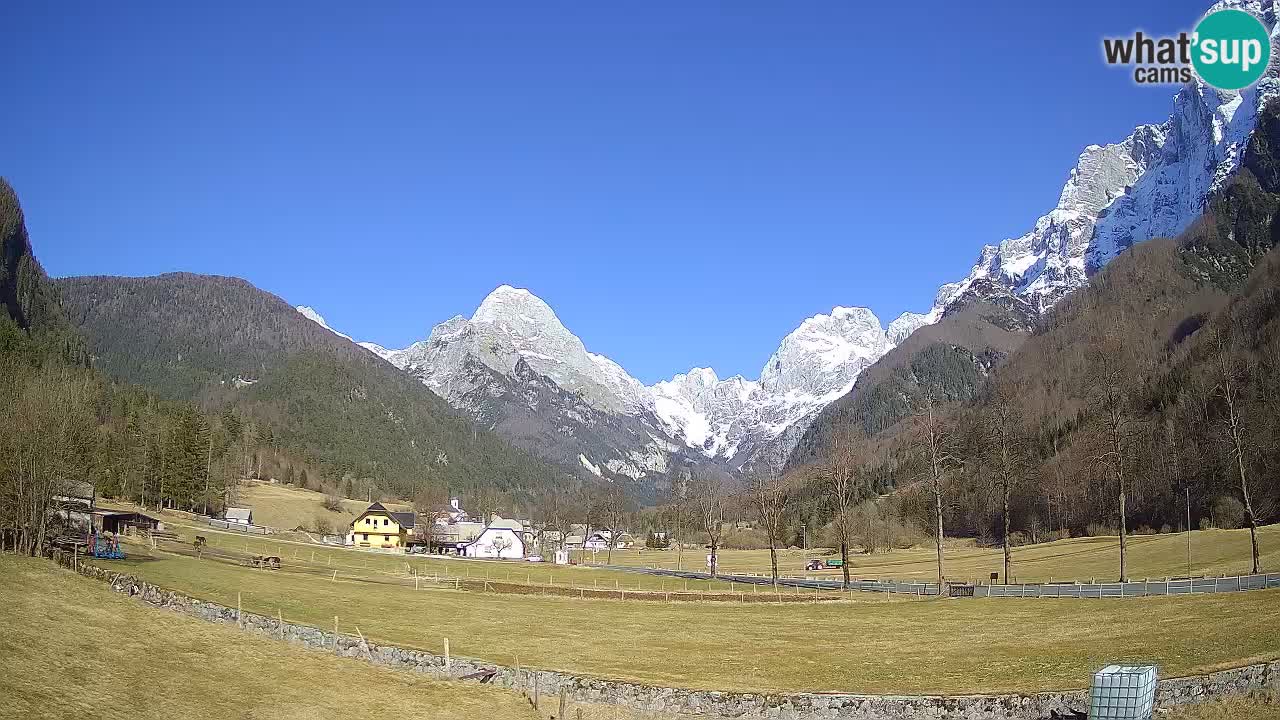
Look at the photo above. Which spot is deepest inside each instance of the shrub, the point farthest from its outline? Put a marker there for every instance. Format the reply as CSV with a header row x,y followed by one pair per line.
x,y
1228,513
323,526
1051,535
331,503
1094,529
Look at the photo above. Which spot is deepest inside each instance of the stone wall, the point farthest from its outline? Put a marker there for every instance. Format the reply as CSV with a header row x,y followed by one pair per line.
x,y
705,703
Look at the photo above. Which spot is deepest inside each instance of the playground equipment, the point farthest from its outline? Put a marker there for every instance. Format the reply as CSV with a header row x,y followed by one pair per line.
x,y
106,547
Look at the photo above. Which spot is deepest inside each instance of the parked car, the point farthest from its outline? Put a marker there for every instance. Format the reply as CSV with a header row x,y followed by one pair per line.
x,y
534,558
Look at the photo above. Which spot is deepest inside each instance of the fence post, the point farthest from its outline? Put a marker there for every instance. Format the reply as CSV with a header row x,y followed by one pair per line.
x,y
239,621
447,662
564,701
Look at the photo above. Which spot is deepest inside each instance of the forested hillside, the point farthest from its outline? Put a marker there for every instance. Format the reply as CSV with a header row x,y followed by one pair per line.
x,y
65,425
308,394
29,305
181,410
1159,381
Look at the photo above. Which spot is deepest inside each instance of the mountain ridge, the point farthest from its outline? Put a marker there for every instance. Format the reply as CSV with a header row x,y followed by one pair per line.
x,y
1154,182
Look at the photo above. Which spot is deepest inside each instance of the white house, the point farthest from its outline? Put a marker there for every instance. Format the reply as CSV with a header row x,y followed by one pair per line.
x,y
600,540
502,539
239,516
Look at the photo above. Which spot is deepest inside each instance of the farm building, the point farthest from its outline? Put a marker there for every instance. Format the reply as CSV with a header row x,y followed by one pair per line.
x,y
239,516
378,527
75,504
502,539
124,521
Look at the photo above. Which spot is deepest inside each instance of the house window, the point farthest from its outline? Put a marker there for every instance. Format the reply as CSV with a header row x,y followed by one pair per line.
x,y
368,520
386,521
366,536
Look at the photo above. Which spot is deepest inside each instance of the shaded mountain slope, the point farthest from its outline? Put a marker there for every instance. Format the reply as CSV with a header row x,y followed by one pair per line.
x,y
223,342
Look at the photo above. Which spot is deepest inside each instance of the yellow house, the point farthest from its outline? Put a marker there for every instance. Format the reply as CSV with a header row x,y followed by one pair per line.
x,y
378,527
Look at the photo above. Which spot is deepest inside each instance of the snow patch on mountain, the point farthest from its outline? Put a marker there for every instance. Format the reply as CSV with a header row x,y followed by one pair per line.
x,y
1154,183
310,313
813,365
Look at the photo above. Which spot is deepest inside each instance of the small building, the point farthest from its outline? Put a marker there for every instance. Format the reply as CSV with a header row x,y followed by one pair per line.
x,y
124,522
501,539
75,504
378,527
455,512
602,539
239,515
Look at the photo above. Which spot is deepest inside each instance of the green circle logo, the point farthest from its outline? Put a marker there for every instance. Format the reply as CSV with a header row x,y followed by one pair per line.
x,y
1232,49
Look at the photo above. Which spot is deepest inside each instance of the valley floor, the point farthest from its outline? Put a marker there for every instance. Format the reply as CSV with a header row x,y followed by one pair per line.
x,y
867,645
1213,552
72,648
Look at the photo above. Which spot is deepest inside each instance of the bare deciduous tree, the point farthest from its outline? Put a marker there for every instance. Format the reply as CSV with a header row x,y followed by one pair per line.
x,y
710,496
934,443
613,516
500,544
842,474
1111,391
1233,427
46,446
679,513
768,499
1008,447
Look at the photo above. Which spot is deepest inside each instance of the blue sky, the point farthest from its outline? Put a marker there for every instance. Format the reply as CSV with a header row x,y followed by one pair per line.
x,y
683,182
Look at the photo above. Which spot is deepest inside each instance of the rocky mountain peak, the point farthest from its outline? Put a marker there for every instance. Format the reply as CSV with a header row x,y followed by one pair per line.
x,y
518,308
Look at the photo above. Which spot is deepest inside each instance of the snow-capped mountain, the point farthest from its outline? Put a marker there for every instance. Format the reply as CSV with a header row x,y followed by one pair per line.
x,y
743,420
1153,183
513,324
514,366
490,363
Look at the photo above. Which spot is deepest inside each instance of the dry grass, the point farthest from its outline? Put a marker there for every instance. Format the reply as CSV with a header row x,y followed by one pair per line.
x,y
386,565
932,646
1214,552
285,507
1258,707
71,648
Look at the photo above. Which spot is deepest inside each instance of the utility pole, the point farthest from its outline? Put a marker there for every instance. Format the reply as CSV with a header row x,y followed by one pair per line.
x,y
1188,489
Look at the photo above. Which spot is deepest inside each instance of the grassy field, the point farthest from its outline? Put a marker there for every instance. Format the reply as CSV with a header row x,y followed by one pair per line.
x,y
867,645
285,507
71,648
1214,552
386,566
